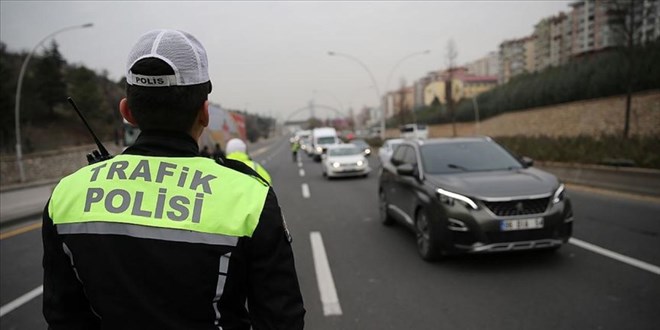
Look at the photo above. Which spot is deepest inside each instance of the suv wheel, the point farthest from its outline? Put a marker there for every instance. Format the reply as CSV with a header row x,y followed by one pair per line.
x,y
385,218
428,243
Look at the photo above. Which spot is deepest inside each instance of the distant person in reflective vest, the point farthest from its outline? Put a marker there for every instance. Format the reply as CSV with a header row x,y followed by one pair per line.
x,y
294,150
159,236
237,150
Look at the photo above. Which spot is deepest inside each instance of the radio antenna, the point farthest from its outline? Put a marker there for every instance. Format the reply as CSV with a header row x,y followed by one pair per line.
x,y
103,151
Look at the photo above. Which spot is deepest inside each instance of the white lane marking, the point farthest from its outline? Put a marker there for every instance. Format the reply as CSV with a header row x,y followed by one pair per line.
x,y
299,163
305,190
616,256
302,172
324,276
18,302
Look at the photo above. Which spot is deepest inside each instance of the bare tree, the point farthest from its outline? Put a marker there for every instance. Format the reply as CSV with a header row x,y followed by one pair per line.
x,y
403,108
627,18
450,58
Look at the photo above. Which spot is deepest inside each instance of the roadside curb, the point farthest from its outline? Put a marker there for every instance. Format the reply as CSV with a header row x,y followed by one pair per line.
x,y
19,219
19,186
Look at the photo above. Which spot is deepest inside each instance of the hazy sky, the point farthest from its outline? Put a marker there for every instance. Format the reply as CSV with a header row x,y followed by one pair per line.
x,y
271,57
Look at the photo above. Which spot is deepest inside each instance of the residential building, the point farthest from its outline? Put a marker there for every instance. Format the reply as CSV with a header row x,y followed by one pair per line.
x,y
549,44
516,57
590,28
464,85
399,100
485,66
418,92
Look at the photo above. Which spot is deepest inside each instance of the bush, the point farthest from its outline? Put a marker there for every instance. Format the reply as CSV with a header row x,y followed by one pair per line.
x,y
605,150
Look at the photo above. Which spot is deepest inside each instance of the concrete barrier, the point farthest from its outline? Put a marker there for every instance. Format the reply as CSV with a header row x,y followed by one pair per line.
x,y
633,180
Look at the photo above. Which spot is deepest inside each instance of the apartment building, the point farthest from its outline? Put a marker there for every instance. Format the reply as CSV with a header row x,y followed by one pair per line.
x,y
592,26
485,66
464,85
516,56
549,43
402,99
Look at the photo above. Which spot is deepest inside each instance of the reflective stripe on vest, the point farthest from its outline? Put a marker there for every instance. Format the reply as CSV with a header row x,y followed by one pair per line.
x,y
180,193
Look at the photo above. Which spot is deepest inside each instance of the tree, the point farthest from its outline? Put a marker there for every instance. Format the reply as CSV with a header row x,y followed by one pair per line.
x,y
451,55
8,74
50,81
627,19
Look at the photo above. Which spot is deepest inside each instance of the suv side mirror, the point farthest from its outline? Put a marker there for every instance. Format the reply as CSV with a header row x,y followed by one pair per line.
x,y
528,162
405,169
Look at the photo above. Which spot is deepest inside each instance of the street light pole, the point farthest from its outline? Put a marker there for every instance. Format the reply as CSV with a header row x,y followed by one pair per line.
x,y
17,106
341,105
425,52
389,76
373,80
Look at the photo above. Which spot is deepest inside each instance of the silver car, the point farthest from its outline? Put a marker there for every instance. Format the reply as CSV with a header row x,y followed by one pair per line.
x,y
385,151
343,160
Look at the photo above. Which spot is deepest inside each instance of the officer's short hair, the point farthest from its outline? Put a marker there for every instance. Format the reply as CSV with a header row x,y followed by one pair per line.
x,y
167,108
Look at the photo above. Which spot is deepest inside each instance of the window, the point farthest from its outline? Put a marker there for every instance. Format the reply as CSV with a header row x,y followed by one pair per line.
x,y
326,140
466,156
410,156
398,155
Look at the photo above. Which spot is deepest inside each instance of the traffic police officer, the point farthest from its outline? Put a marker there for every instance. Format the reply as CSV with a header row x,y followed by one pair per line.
x,y
159,237
237,150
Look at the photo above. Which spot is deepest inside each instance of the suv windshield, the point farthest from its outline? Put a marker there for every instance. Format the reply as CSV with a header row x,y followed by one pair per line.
x,y
466,156
344,151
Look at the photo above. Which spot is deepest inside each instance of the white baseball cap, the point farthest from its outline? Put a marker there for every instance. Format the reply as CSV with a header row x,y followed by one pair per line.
x,y
183,52
235,145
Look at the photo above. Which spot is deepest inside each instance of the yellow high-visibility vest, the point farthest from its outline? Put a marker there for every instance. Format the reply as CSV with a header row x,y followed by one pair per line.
x,y
141,196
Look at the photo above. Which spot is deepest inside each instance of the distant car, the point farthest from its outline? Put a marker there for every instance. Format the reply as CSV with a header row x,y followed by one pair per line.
x,y
414,131
469,195
343,160
385,151
322,138
363,145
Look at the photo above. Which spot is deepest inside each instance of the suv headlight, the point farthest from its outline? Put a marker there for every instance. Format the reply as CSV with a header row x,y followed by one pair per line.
x,y
559,194
360,163
448,197
335,164
319,149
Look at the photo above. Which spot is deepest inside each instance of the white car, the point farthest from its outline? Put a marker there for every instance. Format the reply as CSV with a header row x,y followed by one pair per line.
x,y
344,160
386,150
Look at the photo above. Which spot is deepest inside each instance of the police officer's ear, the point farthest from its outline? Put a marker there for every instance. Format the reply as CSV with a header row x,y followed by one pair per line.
x,y
203,118
126,112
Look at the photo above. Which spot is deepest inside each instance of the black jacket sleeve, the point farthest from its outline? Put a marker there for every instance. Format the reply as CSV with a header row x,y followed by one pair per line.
x,y
65,305
274,298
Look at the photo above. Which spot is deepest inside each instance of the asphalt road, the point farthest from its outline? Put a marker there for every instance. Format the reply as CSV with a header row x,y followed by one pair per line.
x,y
375,280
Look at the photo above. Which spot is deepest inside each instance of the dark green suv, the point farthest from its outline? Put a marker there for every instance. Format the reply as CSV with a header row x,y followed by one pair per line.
x,y
470,195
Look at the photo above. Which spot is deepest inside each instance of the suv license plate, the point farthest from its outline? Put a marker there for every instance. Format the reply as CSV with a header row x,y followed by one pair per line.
x,y
521,224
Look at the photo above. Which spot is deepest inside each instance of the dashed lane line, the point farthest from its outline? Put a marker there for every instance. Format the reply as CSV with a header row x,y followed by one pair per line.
x,y
302,172
324,278
305,190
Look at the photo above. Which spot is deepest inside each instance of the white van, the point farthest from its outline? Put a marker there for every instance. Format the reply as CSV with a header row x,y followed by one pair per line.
x,y
323,137
414,131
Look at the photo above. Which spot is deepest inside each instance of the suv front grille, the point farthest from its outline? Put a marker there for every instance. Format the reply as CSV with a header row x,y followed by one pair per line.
x,y
518,207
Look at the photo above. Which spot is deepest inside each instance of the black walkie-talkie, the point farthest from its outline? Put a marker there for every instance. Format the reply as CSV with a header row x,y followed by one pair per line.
x,y
97,155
